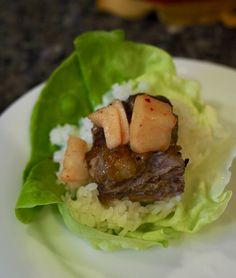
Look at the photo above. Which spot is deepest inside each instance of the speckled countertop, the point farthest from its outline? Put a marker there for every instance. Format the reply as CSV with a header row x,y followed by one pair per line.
x,y
35,36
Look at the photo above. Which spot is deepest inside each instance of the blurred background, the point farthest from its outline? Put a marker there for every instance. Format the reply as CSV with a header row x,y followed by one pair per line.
x,y
35,36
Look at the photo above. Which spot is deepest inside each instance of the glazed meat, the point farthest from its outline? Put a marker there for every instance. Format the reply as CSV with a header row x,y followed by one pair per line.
x,y
139,177
109,167
145,177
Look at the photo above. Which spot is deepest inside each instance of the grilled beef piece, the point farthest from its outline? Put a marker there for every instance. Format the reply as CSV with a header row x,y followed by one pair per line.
x,y
98,136
109,167
146,177
139,177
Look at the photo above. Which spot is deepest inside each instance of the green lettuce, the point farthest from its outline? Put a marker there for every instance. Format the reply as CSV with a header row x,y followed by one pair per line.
x,y
64,99
99,60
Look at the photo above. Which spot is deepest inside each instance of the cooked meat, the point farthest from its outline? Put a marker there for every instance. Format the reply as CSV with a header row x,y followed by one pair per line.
x,y
146,177
98,136
121,173
109,167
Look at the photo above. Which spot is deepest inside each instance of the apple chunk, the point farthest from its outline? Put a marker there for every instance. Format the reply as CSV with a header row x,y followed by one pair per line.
x,y
151,125
124,125
114,122
108,118
74,168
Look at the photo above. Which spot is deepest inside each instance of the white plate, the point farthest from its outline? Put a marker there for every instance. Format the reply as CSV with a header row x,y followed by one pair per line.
x,y
46,248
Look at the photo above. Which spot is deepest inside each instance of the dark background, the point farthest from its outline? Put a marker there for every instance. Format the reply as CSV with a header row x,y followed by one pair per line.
x,y
35,36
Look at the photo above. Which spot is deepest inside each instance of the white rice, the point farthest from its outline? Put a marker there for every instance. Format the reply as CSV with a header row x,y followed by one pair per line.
x,y
59,136
85,133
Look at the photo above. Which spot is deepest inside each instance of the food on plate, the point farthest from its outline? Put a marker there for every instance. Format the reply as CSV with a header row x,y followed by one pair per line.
x,y
125,148
149,166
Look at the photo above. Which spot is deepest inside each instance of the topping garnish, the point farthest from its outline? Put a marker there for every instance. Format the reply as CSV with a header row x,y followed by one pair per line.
x,y
141,170
151,131
114,122
146,132
75,169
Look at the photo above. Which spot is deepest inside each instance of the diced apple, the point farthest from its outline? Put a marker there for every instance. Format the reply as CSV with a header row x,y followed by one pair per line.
x,y
123,122
114,122
97,117
151,125
108,118
74,168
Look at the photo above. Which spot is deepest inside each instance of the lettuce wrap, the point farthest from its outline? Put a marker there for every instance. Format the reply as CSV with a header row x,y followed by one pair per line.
x,y
99,60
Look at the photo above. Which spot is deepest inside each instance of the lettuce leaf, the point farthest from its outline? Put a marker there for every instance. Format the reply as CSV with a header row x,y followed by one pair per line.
x,y
106,58
64,99
39,191
101,59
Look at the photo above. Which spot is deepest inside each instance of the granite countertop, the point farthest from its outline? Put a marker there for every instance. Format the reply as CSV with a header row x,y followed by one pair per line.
x,y
35,36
